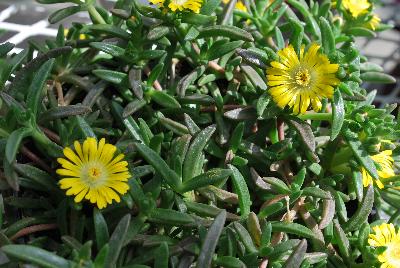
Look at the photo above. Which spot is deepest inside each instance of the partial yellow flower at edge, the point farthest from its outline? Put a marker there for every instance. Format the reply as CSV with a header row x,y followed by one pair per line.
x,y
300,80
373,22
385,235
356,7
193,5
239,5
159,3
92,172
180,5
385,160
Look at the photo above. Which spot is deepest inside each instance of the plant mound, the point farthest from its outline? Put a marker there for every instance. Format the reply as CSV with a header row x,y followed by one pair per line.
x,y
199,133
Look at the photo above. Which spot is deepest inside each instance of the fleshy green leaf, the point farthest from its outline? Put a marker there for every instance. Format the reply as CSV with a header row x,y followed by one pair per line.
x,y
211,176
292,228
116,241
170,217
361,154
35,255
100,228
211,240
231,32
14,142
240,188
35,91
162,256
193,156
296,258
338,114
361,215
159,165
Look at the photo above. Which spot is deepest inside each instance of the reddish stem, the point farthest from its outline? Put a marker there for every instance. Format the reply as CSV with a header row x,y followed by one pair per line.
x,y
32,229
280,125
51,135
156,84
28,153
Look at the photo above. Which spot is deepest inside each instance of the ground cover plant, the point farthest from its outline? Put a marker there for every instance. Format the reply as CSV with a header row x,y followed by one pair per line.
x,y
199,133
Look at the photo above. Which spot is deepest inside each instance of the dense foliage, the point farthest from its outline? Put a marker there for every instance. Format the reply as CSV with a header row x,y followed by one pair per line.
x,y
208,105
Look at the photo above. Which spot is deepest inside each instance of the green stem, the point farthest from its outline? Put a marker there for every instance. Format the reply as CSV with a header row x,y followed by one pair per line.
x,y
97,18
316,116
273,132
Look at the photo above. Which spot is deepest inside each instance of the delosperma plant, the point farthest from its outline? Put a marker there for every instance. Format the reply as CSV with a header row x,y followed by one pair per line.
x,y
199,133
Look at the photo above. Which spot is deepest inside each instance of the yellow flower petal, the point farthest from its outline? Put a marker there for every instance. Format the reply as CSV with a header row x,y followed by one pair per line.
x,y
72,156
67,172
81,195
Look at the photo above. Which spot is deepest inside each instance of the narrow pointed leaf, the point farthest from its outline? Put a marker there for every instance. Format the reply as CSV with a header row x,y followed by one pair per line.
x,y
211,241
362,212
338,114
210,177
195,150
35,255
116,241
159,165
35,91
240,188
296,258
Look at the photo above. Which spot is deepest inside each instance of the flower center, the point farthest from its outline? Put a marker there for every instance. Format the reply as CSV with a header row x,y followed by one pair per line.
x,y
303,77
94,173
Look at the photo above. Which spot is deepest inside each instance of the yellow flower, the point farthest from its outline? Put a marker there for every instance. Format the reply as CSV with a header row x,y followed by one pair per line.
x,y
239,5
386,236
373,22
193,5
92,172
159,3
385,161
356,7
297,81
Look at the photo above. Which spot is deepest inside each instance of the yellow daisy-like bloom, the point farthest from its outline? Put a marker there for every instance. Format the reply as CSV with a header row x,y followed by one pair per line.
x,y
239,5
92,172
159,3
174,5
297,81
385,160
356,7
193,5
385,235
373,22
